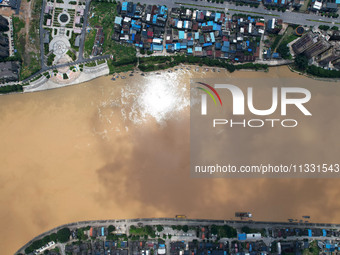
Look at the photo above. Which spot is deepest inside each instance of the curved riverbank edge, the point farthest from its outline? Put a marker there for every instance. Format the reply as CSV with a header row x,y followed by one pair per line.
x,y
171,221
89,73
313,77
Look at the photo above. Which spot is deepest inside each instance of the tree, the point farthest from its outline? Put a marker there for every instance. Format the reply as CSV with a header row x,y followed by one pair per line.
x,y
159,228
63,235
283,50
185,228
301,62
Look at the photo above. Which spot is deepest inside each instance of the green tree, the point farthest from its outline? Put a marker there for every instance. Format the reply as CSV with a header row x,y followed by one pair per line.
x,y
301,62
63,235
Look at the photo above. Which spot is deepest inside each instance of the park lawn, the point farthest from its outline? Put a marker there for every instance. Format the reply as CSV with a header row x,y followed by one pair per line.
x,y
104,15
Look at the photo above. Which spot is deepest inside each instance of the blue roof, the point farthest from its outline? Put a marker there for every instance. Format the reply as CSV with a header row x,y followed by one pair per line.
x,y
225,49
197,35
210,23
242,236
124,6
157,47
324,232
212,36
190,43
309,232
162,245
102,231
118,20
154,20
217,16
207,44
181,35
226,43
162,10
189,50
337,1
198,48
218,45
177,46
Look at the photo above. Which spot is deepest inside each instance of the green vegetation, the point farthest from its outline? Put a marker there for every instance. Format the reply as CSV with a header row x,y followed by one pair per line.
x,y
312,250
81,235
111,228
159,228
224,231
65,77
249,230
301,64
41,242
72,55
89,41
91,64
99,62
50,59
63,235
10,88
146,230
104,14
324,27
163,62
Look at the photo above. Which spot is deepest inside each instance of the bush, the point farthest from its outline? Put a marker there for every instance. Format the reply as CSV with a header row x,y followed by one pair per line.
x,y
63,234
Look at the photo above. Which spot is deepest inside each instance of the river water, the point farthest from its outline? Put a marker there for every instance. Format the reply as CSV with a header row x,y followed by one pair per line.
x,y
120,149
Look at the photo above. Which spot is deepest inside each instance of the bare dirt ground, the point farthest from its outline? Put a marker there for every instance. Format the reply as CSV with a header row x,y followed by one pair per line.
x,y
6,11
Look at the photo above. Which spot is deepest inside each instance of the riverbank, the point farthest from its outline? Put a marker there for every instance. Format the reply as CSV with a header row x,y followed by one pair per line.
x,y
125,224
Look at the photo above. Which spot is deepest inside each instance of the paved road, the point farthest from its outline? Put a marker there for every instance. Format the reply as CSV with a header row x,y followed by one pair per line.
x,y
41,35
83,31
288,16
84,61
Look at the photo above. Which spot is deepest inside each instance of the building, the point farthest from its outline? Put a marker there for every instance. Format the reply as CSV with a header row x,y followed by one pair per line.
x,y
317,48
9,71
329,56
304,43
3,24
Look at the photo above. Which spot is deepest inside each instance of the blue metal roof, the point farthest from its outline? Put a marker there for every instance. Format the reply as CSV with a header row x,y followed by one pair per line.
x,y
189,50
309,232
324,232
181,35
124,6
212,36
242,236
118,20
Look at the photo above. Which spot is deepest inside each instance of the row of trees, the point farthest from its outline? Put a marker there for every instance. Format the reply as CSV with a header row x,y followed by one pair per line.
x,y
62,236
301,64
10,88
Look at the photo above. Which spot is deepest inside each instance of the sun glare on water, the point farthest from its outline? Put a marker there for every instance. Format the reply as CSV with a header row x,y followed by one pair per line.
x,y
158,96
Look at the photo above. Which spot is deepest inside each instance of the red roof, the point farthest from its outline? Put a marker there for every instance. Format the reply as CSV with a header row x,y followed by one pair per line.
x,y
259,24
225,39
150,33
209,52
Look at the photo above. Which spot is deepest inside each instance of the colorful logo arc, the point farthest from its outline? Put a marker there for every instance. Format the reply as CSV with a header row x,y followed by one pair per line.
x,y
209,93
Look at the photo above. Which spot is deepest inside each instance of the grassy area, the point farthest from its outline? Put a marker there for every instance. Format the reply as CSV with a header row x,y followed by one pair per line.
x,y
312,250
89,41
28,52
91,64
99,62
320,21
104,15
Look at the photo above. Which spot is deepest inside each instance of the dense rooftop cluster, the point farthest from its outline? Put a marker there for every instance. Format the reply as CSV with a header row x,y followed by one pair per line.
x,y
188,31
